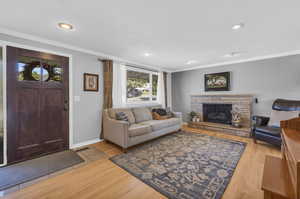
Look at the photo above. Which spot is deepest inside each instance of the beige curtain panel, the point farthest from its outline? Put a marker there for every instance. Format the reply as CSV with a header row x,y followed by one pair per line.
x,y
108,85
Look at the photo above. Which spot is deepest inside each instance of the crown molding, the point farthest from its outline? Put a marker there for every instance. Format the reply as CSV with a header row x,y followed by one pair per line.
x,y
125,61
75,48
257,58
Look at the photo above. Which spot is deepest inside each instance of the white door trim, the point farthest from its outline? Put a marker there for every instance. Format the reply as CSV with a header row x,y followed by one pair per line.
x,y
4,44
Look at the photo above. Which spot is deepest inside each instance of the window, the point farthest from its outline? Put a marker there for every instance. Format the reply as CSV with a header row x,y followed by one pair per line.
x,y
30,70
141,86
154,86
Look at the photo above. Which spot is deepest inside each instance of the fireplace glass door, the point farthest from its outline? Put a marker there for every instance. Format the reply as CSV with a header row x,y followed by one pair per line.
x,y
217,113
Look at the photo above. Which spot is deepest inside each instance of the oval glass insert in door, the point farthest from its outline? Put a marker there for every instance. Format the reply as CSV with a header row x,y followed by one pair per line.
x,y
29,69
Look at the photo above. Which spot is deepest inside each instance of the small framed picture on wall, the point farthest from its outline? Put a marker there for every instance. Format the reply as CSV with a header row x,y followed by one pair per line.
x,y
90,82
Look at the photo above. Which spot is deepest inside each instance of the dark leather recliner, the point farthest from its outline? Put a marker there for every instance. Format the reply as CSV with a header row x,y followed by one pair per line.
x,y
270,134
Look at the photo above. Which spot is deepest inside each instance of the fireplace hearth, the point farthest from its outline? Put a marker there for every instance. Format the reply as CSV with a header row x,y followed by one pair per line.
x,y
217,113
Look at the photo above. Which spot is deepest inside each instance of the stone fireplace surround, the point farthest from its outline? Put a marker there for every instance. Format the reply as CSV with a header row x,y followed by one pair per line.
x,y
241,102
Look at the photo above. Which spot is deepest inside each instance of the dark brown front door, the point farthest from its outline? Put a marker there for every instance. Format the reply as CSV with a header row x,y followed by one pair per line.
x,y
37,104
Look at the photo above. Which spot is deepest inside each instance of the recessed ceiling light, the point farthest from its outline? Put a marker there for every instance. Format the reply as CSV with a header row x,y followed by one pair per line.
x,y
147,54
65,26
237,26
191,62
232,54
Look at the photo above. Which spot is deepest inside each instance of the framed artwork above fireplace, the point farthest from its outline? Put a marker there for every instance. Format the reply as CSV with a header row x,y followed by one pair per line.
x,y
217,81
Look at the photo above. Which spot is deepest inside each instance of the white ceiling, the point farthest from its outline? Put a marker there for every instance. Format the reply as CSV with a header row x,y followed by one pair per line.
x,y
173,31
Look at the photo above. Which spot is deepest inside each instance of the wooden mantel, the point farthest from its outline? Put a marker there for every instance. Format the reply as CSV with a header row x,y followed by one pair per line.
x,y
223,95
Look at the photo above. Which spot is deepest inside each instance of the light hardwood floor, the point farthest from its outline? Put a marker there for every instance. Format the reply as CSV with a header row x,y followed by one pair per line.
x,y
103,179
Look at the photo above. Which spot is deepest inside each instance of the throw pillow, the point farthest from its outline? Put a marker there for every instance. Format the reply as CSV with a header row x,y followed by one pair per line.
x,y
127,111
160,111
277,116
122,116
156,116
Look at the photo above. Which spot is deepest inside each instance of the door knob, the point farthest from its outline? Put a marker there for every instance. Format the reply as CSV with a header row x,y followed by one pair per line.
x,y
66,105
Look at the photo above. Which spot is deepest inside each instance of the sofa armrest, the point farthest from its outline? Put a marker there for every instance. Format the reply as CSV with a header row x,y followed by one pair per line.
x,y
260,120
115,131
178,115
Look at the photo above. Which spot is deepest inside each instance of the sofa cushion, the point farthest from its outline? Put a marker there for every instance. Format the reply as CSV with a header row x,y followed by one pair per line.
x,y
121,116
139,129
277,116
113,111
160,124
142,114
274,131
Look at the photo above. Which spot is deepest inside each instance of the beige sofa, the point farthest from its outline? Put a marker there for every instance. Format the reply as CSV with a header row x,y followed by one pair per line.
x,y
140,126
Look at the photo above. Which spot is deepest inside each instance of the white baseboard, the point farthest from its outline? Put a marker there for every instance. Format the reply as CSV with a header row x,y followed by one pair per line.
x,y
81,144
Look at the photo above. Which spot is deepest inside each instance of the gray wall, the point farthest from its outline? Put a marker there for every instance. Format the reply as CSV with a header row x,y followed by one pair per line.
x,y
86,112
265,79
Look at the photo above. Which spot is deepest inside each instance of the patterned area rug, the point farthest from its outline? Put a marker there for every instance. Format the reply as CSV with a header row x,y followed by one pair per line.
x,y
184,165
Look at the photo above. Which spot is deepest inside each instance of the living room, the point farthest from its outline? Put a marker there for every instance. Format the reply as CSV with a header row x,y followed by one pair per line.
x,y
149,99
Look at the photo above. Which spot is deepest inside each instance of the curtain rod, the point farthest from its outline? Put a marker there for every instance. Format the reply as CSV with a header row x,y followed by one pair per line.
x,y
133,66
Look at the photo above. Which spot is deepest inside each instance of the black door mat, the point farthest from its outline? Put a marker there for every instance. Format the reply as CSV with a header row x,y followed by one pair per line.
x,y
20,173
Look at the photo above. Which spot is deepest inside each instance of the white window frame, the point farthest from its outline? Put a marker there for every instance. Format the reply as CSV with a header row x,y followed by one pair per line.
x,y
151,101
